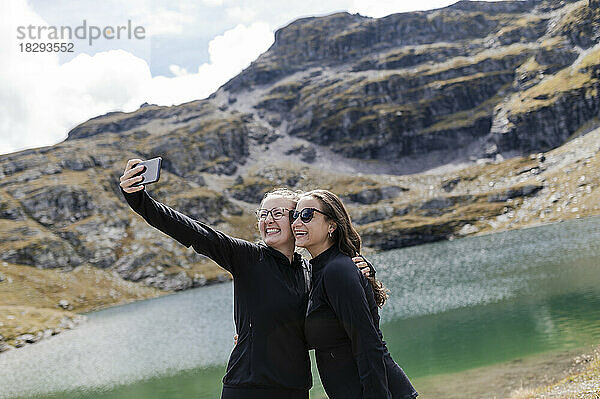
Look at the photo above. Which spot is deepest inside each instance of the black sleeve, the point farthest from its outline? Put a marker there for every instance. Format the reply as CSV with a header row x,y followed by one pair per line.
x,y
228,252
347,297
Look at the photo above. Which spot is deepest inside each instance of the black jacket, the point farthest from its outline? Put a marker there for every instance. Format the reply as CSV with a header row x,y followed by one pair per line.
x,y
342,324
270,298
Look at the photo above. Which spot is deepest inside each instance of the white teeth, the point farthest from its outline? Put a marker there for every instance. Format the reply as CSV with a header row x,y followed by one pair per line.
x,y
272,231
300,233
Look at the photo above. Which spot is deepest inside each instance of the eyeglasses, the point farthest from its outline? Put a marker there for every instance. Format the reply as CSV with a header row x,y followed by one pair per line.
x,y
307,214
277,213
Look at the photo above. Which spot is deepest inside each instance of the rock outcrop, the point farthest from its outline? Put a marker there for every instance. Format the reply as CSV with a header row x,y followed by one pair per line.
x,y
435,85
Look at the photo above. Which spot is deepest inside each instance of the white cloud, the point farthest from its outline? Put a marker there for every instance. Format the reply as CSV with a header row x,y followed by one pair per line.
x,y
24,108
109,80
229,54
177,70
236,48
40,100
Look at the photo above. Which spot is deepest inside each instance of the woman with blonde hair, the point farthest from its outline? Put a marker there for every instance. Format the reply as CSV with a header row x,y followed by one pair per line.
x,y
342,320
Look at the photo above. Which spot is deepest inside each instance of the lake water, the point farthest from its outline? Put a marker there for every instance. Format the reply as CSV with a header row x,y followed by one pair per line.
x,y
454,306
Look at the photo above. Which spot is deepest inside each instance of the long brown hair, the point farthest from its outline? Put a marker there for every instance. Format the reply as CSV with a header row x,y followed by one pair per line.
x,y
345,235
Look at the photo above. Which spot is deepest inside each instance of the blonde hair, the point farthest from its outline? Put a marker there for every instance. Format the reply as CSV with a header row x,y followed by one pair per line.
x,y
292,195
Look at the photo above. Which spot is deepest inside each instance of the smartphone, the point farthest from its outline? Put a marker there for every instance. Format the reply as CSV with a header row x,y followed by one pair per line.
x,y
151,172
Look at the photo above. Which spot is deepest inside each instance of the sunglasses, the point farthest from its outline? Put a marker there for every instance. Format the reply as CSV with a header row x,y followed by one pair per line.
x,y
277,213
307,214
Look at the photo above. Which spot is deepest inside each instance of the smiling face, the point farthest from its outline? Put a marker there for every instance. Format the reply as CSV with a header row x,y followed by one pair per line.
x,y
313,235
277,233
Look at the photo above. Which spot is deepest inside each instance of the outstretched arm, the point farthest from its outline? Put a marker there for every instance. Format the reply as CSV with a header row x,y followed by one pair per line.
x,y
227,251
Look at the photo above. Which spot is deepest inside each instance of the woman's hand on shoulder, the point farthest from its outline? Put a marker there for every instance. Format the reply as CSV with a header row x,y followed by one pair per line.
x,y
128,178
362,265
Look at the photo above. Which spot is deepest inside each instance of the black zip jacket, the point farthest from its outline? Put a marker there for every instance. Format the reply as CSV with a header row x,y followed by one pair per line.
x,y
342,325
270,299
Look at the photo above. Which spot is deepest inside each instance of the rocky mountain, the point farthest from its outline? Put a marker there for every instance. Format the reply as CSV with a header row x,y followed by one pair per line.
x,y
432,125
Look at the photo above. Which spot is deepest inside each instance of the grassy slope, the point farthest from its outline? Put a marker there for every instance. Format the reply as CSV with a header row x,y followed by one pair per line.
x,y
30,298
581,385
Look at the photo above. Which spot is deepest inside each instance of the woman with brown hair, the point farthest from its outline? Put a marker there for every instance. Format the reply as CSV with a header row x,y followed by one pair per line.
x,y
342,320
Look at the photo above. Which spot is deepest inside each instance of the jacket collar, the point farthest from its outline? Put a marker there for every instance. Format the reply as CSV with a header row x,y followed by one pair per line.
x,y
281,258
319,261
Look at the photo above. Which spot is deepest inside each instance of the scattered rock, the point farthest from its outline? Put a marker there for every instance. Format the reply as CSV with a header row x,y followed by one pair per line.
x,y
373,195
4,347
68,323
28,338
515,192
143,272
467,229
308,153
252,191
491,150
127,264
448,185
63,303
199,280
377,213
45,254
440,205
10,211
211,209
77,164
170,282
262,135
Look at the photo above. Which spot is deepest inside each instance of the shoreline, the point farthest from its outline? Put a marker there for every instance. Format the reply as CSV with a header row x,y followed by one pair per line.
x,y
37,304
554,374
542,375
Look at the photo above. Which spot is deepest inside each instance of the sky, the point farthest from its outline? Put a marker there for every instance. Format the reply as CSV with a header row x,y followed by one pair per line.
x,y
182,51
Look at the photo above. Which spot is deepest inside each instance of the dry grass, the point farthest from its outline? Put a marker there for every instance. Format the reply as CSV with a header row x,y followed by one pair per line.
x,y
580,385
30,297
552,87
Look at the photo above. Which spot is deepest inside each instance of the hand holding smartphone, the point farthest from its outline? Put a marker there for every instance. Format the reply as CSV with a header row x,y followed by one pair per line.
x,y
138,173
151,173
